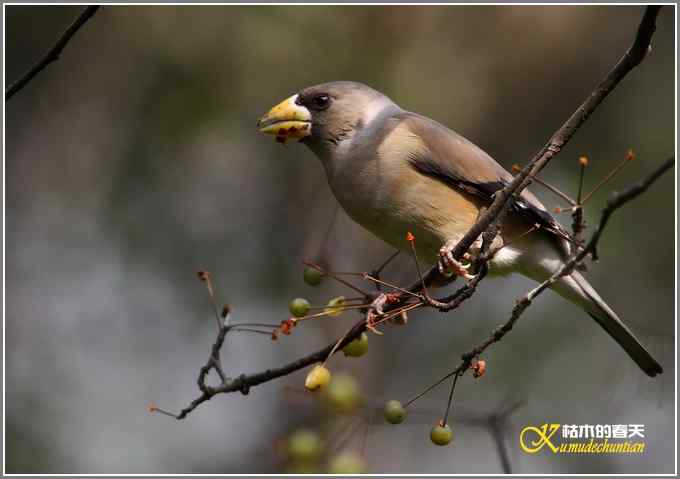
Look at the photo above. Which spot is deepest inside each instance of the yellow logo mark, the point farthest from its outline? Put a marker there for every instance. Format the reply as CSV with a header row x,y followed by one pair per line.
x,y
544,433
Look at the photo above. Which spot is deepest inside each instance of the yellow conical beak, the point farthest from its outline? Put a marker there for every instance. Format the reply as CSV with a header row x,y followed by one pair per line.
x,y
287,120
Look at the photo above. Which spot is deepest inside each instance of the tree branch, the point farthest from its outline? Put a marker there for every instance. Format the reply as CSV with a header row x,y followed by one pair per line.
x,y
635,54
616,201
487,225
54,52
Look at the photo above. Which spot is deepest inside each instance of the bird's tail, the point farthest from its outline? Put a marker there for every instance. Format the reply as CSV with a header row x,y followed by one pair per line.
x,y
576,289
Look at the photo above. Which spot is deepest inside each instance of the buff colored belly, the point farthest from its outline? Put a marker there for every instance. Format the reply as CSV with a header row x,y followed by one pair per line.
x,y
394,203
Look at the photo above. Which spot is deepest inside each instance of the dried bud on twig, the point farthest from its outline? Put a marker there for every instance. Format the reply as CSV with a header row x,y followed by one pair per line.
x,y
203,275
286,326
479,368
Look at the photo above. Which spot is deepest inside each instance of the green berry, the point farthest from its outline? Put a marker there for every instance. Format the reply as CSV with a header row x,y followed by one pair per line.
x,y
312,276
304,446
298,307
347,463
343,394
394,412
357,347
441,435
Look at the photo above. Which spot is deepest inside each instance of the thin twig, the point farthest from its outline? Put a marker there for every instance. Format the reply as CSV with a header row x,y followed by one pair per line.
x,y
583,162
397,312
323,247
390,285
343,308
259,325
448,403
412,242
549,187
612,174
205,277
379,269
336,278
335,348
578,225
53,53
430,388
251,330
376,272
512,241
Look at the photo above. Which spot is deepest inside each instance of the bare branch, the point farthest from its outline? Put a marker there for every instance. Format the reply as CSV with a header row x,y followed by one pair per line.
x,y
561,137
53,53
616,201
487,226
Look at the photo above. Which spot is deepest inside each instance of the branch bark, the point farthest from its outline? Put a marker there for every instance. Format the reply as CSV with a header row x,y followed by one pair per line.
x,y
53,54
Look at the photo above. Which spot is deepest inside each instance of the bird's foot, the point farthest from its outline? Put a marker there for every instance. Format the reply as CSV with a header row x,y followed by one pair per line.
x,y
448,263
375,311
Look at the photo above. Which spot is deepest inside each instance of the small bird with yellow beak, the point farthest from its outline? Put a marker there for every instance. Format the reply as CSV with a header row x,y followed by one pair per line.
x,y
394,171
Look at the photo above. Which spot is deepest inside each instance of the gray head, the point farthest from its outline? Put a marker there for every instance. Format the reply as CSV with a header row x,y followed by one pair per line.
x,y
326,115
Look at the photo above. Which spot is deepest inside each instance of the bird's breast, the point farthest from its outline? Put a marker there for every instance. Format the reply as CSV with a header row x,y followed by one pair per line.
x,y
390,199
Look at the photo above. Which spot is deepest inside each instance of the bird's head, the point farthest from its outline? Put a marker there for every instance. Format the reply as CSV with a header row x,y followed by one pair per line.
x,y
323,116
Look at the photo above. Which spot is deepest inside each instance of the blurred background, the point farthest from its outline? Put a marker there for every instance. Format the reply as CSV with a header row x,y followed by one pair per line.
x,y
134,162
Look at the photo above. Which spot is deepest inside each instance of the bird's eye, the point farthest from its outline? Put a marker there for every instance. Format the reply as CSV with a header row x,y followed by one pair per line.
x,y
320,102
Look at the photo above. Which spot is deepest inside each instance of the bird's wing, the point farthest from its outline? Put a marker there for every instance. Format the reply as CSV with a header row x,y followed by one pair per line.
x,y
459,163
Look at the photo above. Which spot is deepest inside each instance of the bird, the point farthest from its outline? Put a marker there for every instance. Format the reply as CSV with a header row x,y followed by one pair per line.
x,y
394,171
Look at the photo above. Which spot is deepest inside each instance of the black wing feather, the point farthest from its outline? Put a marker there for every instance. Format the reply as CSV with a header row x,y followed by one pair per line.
x,y
486,191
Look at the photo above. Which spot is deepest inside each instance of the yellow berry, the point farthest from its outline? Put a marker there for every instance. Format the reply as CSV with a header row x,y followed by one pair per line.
x,y
317,378
335,306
